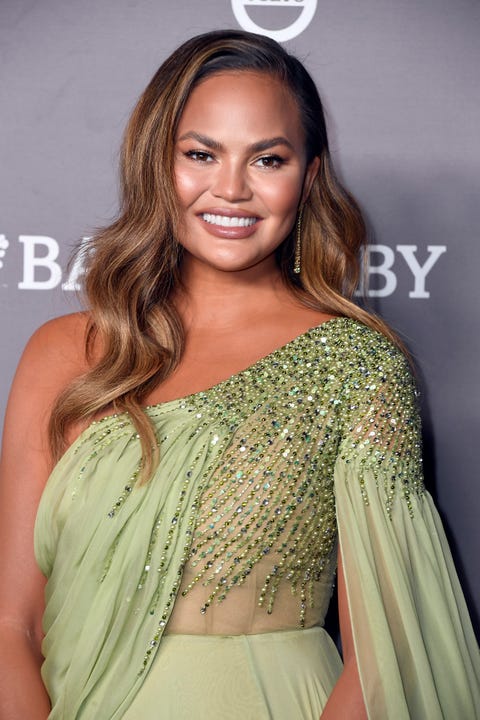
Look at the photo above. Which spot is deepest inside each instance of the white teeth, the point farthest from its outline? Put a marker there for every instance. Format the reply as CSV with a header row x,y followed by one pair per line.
x,y
226,221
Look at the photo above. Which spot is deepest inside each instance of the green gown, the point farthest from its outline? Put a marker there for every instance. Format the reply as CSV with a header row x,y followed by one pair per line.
x,y
203,592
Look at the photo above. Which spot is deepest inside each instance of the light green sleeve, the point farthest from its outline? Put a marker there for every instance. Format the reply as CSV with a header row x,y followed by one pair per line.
x,y
416,651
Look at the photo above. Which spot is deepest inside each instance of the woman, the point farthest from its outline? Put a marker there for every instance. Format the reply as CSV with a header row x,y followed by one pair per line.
x,y
225,423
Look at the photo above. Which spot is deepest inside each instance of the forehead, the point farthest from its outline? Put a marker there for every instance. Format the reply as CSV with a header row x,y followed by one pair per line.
x,y
241,103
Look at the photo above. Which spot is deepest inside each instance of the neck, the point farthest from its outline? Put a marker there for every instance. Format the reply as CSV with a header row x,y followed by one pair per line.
x,y
214,298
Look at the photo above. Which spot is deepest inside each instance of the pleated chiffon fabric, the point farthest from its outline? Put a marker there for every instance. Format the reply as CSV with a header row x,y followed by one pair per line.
x,y
230,549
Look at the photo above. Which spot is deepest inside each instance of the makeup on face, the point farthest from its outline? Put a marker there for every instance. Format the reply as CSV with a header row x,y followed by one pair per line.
x,y
240,169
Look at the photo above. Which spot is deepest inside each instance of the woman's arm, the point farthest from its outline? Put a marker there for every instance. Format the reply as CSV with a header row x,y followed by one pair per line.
x,y
48,363
346,699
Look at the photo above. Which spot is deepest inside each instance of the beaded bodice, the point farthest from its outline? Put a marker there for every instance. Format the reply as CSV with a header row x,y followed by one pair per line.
x,y
266,517
236,530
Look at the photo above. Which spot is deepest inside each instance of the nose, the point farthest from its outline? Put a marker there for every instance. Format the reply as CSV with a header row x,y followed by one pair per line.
x,y
231,182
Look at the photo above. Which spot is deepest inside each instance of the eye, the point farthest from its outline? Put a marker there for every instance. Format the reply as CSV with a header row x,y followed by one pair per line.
x,y
201,156
270,162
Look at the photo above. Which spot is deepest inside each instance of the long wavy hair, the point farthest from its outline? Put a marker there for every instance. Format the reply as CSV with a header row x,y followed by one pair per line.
x,y
134,265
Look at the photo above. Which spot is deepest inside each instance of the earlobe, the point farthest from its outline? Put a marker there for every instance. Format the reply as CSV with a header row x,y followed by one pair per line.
x,y
310,175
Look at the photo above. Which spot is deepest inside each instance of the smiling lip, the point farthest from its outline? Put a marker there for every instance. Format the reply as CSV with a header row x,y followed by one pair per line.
x,y
229,223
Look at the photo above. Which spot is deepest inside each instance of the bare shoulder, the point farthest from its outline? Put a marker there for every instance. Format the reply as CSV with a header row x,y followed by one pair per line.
x,y
59,340
53,357
55,354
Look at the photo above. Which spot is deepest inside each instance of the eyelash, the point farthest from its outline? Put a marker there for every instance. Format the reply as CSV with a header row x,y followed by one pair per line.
x,y
195,155
202,156
276,161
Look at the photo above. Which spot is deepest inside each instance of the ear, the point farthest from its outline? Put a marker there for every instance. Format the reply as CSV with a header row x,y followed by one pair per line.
x,y
310,175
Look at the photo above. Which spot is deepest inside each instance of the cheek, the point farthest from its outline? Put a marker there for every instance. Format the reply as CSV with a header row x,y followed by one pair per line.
x,y
283,196
188,185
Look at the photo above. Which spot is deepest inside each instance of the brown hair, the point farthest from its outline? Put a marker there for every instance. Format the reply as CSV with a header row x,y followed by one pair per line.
x,y
133,265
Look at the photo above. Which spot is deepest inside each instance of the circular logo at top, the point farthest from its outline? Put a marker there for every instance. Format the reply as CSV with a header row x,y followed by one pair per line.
x,y
302,20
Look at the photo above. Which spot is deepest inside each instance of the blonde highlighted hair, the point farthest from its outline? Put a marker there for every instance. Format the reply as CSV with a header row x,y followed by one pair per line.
x,y
134,265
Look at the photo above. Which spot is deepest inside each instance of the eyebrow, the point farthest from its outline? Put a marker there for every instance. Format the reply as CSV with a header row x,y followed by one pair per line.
x,y
259,146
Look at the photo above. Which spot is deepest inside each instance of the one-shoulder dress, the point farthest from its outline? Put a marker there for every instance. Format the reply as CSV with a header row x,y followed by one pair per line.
x,y
203,593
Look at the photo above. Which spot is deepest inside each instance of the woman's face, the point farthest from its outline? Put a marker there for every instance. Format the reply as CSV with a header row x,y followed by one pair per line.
x,y
240,170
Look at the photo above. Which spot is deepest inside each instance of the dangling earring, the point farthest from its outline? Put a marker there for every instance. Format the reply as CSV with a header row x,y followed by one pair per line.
x,y
298,243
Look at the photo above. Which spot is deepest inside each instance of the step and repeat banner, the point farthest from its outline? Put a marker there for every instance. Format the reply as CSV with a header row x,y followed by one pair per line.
x,y
400,85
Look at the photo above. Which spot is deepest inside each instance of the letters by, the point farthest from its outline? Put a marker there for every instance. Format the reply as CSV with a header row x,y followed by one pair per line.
x,y
381,261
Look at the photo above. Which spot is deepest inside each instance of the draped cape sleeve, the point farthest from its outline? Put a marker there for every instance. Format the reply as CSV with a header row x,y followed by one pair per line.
x,y
415,648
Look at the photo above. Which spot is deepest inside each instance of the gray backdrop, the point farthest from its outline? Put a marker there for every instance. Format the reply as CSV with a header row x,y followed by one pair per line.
x,y
400,83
